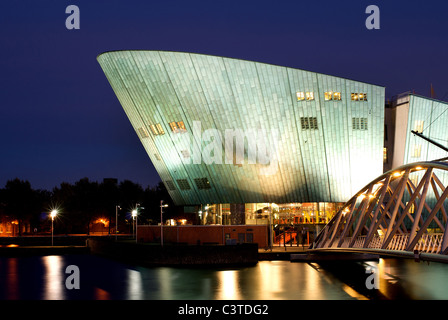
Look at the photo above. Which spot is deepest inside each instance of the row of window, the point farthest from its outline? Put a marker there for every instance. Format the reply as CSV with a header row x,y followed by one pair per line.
x,y
330,95
177,126
310,123
359,123
201,184
156,129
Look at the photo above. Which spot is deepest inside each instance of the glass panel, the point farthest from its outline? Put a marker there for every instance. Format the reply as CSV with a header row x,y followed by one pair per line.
x,y
181,126
173,126
300,96
153,129
336,96
160,129
418,126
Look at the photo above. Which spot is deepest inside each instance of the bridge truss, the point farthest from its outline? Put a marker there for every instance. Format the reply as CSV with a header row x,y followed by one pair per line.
x,y
404,209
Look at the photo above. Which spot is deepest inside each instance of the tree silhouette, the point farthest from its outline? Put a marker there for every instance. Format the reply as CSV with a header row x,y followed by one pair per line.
x,y
20,201
81,203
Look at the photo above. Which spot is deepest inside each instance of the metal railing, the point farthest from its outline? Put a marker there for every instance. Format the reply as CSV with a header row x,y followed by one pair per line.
x,y
428,243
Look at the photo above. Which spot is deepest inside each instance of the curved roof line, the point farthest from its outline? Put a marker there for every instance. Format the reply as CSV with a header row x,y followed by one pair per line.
x,y
223,57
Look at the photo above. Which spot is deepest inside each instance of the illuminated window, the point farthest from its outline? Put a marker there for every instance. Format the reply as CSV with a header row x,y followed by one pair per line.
x,y
416,151
300,96
359,96
181,126
156,129
309,95
143,133
384,155
336,96
418,126
173,126
308,123
153,129
160,129
330,95
177,127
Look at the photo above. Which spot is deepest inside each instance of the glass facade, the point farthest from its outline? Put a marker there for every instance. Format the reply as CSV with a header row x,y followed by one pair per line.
x,y
289,222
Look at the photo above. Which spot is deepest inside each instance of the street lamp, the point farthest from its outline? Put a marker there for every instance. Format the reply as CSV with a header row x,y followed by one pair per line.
x,y
134,216
161,221
53,214
116,221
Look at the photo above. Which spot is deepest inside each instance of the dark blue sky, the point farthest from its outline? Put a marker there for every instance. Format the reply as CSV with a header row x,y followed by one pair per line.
x,y
61,121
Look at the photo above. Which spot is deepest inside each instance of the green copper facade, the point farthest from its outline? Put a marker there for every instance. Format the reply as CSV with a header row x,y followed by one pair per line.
x,y
427,116
327,149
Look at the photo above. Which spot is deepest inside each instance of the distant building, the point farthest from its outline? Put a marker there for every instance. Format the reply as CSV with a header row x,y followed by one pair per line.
x,y
408,112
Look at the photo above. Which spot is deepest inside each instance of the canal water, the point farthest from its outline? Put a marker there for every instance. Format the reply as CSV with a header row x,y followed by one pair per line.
x,y
44,278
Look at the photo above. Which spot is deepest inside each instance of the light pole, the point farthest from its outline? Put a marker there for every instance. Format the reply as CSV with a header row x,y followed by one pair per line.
x,y
161,221
134,216
116,221
52,215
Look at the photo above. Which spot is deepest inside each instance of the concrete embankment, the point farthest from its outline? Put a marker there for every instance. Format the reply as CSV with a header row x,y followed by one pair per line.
x,y
179,255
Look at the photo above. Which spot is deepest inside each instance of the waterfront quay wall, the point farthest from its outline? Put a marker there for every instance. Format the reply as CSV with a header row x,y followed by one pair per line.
x,y
46,240
209,234
152,254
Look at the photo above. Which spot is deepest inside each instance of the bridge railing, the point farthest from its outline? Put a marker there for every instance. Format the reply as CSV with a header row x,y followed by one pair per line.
x,y
397,211
429,243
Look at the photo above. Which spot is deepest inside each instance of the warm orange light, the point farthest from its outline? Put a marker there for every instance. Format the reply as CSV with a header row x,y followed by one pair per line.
x,y
102,220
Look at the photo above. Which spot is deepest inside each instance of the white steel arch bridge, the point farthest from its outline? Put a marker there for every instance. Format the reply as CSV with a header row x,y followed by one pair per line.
x,y
401,213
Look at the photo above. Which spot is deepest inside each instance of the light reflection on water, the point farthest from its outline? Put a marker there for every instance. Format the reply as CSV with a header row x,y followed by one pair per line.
x,y
43,277
54,278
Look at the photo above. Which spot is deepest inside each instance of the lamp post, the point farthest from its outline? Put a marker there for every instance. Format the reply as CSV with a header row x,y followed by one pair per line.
x,y
134,216
161,221
52,215
116,221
